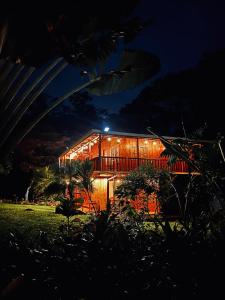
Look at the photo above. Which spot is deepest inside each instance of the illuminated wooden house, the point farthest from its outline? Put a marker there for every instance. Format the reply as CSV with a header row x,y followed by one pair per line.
x,y
114,154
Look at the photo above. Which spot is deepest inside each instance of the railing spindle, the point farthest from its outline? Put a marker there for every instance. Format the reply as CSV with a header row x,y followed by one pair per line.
x,y
124,164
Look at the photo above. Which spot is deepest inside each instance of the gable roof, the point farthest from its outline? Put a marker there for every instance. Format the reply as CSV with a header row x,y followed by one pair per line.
x,y
127,134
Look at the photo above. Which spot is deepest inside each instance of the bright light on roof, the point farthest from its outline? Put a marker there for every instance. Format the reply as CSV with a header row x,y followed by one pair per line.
x,y
106,129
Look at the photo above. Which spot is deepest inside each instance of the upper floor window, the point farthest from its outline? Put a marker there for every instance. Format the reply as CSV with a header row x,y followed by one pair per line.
x,y
115,151
143,151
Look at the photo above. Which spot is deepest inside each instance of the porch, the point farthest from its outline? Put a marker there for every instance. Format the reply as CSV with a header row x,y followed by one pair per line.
x,y
125,164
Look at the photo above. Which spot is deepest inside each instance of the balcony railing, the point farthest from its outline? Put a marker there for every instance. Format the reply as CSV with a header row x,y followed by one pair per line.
x,y
124,164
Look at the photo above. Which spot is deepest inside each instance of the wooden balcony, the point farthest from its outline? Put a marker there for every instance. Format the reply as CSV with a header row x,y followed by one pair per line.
x,y
124,164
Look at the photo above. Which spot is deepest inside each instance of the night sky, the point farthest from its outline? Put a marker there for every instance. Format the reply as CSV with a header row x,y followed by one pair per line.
x,y
182,31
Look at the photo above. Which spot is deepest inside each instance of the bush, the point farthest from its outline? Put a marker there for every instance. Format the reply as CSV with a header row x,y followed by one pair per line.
x,y
128,260
74,211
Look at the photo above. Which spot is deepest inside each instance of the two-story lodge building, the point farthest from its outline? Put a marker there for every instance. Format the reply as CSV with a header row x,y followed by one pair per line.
x,y
114,154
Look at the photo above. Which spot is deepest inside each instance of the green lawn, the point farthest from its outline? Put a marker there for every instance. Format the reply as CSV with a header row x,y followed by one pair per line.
x,y
16,218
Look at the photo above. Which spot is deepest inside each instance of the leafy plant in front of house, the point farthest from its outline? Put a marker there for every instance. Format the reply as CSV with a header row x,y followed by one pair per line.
x,y
84,180
59,185
147,182
200,193
42,179
68,208
142,182
62,183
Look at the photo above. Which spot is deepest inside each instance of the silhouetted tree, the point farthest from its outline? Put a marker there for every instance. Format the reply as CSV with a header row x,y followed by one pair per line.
x,y
194,96
84,38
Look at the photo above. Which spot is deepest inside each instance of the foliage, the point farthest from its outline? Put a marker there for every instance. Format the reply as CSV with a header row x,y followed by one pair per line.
x,y
54,190
45,182
79,173
43,177
60,184
134,68
72,36
144,182
83,175
68,207
202,190
128,260
141,179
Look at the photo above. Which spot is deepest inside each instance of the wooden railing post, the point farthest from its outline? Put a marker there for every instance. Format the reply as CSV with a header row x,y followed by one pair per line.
x,y
108,204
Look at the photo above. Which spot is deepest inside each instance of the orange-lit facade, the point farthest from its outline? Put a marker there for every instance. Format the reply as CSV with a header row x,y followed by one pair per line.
x,y
114,154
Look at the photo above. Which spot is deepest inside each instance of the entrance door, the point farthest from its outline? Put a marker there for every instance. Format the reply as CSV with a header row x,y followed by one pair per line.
x,y
113,184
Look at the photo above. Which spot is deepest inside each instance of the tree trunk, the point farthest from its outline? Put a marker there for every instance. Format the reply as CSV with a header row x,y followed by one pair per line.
x,y
27,193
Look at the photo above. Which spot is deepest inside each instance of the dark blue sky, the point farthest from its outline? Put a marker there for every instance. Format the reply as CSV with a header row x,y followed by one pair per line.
x,y
182,31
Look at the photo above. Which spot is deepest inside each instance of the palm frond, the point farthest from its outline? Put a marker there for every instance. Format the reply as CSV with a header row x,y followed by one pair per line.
x,y
135,67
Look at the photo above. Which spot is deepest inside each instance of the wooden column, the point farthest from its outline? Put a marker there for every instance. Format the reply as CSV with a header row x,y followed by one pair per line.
x,y
137,152
108,200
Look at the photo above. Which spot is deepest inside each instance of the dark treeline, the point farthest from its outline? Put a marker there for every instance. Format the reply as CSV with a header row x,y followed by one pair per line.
x,y
194,96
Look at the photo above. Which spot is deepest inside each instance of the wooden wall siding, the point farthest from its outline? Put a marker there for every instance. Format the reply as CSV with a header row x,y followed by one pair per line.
x,y
119,146
98,197
113,184
93,151
127,147
90,152
100,193
149,148
111,189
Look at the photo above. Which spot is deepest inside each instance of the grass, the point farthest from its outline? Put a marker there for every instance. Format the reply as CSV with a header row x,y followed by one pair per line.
x,y
29,220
